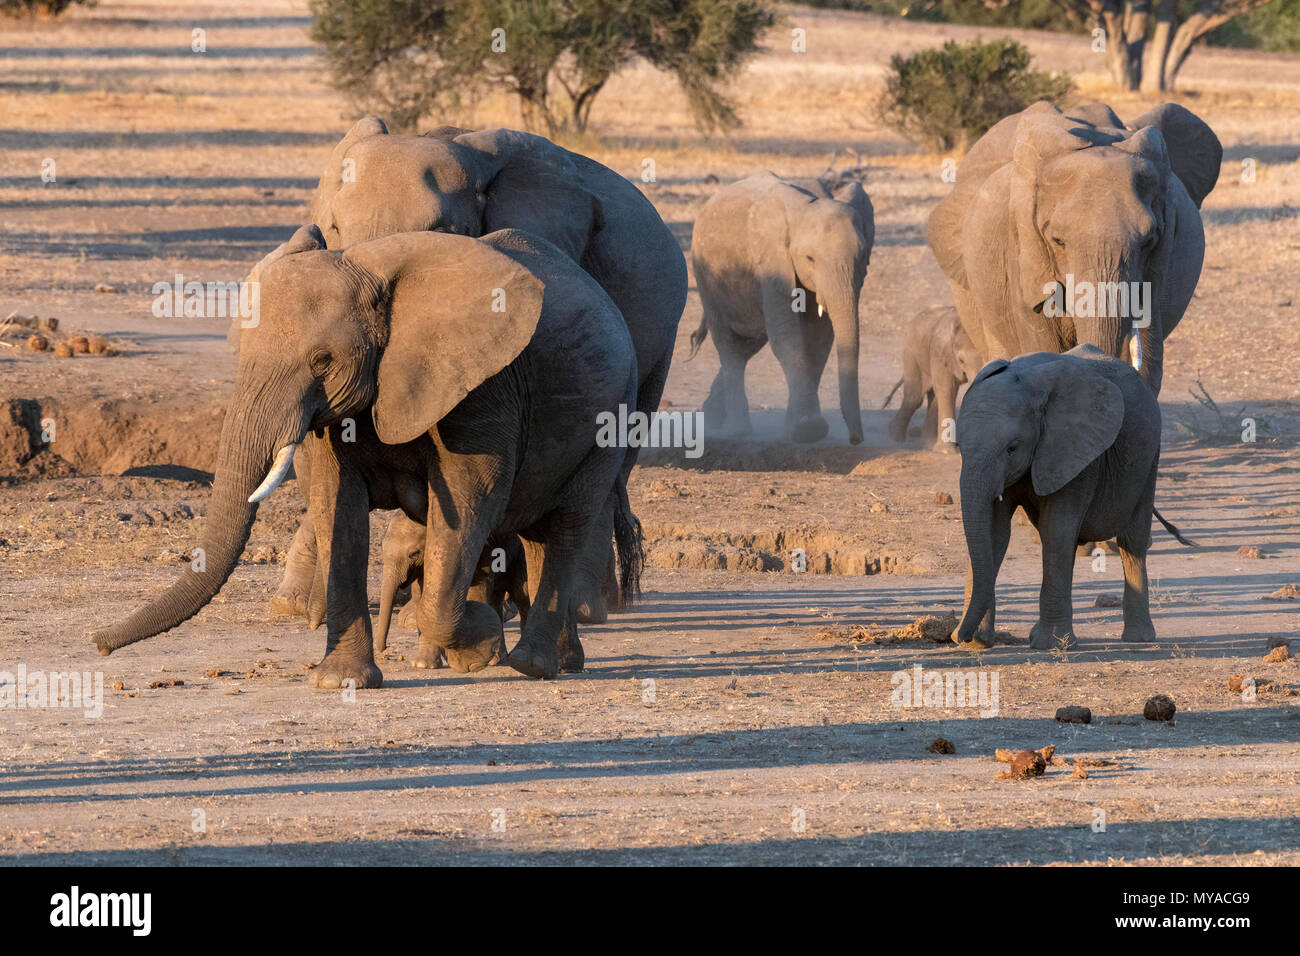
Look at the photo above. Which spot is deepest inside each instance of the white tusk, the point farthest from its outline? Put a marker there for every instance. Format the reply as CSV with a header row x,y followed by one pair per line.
x,y
1135,351
279,468
821,309
999,497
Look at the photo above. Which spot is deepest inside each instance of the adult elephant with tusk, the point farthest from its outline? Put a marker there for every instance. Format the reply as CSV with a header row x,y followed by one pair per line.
x,y
441,352
783,261
472,182
1069,228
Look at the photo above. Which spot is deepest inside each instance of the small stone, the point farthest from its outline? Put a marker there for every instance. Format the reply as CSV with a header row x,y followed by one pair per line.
x,y
38,343
942,498
104,287
879,507
63,350
1074,715
1108,600
1160,707
1250,551
941,746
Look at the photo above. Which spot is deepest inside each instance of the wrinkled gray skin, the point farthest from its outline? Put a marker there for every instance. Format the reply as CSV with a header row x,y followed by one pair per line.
x,y
457,423
757,241
1073,439
403,567
474,182
938,358
1042,195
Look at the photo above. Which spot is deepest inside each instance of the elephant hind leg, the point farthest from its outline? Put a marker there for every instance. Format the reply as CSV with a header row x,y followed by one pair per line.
x,y
299,573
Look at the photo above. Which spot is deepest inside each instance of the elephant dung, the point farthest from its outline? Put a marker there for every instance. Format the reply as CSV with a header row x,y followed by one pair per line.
x,y
942,498
1108,600
1074,715
79,344
1251,552
1024,764
941,745
1160,707
63,350
38,343
1277,655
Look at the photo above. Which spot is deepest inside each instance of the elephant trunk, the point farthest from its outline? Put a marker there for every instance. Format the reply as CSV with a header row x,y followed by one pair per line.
x,y
387,593
841,297
243,458
1120,296
976,519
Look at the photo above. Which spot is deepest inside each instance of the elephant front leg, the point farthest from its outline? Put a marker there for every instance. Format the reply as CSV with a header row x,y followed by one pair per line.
x,y
1059,530
796,340
340,508
945,404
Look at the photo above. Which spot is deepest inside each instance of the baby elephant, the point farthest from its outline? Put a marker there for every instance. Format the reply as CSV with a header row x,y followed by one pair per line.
x,y
938,358
783,261
1073,439
502,575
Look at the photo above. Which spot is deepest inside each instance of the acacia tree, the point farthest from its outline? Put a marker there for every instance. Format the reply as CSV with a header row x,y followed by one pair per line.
x,y
1146,44
408,57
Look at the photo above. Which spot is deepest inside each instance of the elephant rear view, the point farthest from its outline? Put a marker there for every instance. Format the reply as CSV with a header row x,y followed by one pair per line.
x,y
784,262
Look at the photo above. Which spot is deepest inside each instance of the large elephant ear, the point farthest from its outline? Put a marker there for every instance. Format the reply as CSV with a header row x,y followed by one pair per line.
x,y
331,178
459,312
531,184
307,239
1195,153
1037,140
1082,416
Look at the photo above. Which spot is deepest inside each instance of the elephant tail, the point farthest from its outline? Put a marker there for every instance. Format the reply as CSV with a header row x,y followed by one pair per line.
x,y
890,397
630,545
698,337
1173,530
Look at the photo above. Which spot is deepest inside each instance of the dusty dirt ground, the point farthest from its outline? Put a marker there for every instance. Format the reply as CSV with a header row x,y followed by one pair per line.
x,y
741,713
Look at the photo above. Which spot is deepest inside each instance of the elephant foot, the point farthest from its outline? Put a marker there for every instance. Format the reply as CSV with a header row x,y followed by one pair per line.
x,y
409,616
430,658
979,639
592,609
479,640
336,668
1043,637
572,656
810,430
1144,633
535,659
288,605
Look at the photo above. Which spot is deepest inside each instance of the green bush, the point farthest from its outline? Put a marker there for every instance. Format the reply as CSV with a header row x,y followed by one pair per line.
x,y
947,98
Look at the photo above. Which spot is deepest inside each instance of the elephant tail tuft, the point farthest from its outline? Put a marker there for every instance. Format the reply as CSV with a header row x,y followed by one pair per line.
x,y
698,337
890,397
630,545
1173,530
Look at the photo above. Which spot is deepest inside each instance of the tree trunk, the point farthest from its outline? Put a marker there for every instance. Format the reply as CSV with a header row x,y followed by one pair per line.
x,y
1153,70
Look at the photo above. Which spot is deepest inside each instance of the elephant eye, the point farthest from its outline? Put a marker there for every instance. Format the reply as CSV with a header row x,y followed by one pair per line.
x,y
1059,241
1013,448
320,362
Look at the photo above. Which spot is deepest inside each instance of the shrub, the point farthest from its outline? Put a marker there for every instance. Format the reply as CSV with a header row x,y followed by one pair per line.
x,y
947,98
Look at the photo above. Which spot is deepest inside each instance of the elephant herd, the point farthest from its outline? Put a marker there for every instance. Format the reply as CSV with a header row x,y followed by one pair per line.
x,y
442,336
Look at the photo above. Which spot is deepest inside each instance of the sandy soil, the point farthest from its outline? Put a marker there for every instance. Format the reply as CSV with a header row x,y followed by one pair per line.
x,y
767,733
